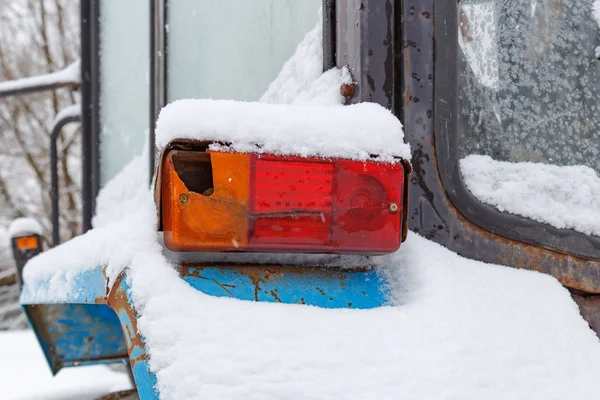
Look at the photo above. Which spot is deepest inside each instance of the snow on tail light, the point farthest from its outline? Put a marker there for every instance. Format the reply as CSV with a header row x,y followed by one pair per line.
x,y
218,201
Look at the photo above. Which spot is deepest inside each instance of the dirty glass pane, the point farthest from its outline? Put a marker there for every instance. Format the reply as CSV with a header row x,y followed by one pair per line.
x,y
232,49
124,95
530,81
529,84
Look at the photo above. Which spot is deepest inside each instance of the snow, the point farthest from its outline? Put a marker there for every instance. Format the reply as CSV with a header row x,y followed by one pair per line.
x,y
121,197
459,329
24,227
26,376
302,81
364,131
111,246
465,330
562,196
73,110
70,74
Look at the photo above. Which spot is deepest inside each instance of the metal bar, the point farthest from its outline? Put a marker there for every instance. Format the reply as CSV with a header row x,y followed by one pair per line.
x,y
37,88
90,94
54,190
365,43
157,73
329,30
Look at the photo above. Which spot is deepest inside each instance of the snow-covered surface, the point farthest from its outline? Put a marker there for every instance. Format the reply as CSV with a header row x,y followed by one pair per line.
x,y
24,374
562,196
112,246
70,111
302,81
118,227
24,227
466,330
461,329
363,131
121,197
70,74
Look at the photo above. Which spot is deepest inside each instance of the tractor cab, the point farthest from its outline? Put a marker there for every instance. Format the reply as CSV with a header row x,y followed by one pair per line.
x,y
277,152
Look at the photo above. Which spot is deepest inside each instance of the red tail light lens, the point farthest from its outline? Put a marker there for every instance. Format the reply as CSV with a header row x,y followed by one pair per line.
x,y
293,204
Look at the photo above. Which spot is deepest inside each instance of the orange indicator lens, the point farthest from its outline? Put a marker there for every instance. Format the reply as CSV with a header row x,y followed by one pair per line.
x,y
27,242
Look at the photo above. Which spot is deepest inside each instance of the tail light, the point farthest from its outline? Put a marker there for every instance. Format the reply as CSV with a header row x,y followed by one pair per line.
x,y
25,246
217,201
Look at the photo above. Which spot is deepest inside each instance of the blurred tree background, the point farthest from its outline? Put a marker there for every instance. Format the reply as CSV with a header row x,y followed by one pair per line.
x,y
36,37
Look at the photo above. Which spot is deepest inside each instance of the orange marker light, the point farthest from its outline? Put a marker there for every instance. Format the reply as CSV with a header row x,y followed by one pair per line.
x,y
213,220
27,242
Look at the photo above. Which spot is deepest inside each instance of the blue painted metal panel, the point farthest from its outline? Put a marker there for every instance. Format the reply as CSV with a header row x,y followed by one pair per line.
x,y
296,285
89,287
77,334
88,333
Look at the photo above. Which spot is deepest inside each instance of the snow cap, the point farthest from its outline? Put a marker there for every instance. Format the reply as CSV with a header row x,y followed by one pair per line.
x,y
24,227
364,131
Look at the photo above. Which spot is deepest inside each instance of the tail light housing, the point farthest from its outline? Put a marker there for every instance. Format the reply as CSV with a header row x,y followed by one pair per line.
x,y
219,201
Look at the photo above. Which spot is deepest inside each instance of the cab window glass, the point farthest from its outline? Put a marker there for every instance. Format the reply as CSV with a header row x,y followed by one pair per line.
x,y
529,91
124,88
232,49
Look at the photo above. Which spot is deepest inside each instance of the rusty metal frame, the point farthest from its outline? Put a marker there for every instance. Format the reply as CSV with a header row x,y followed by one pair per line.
x,y
400,73
365,43
427,112
447,136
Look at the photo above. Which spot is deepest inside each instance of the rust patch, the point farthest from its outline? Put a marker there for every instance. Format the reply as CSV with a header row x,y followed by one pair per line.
x,y
589,308
275,296
224,286
117,300
260,274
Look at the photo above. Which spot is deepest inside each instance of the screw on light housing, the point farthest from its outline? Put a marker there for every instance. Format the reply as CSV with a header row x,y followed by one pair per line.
x,y
347,90
394,208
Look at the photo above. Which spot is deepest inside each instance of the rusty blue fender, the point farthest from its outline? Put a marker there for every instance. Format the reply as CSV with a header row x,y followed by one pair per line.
x,y
92,325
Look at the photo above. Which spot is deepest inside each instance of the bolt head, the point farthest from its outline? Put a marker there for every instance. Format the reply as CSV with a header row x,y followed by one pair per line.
x,y
347,90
